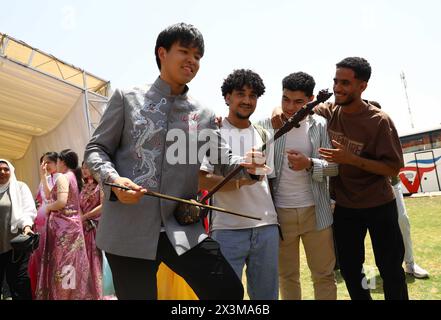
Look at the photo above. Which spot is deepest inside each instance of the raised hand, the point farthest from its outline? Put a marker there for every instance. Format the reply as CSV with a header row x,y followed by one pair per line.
x,y
338,155
218,121
43,170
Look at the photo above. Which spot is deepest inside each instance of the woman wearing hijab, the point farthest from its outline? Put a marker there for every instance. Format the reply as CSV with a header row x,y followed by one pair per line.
x,y
64,271
17,214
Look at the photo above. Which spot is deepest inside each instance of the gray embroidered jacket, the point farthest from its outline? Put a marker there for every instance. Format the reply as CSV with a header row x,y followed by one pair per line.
x,y
157,140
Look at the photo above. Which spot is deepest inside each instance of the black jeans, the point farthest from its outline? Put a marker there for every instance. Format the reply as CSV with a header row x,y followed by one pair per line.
x,y
17,275
350,227
203,267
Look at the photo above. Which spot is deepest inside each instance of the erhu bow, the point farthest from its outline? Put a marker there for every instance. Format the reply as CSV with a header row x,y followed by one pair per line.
x,y
191,211
181,214
189,204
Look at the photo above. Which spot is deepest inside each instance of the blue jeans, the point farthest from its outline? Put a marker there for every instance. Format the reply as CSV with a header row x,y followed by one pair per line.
x,y
258,248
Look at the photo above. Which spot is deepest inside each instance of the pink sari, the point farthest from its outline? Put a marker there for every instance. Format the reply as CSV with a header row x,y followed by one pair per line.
x,y
40,227
89,199
64,272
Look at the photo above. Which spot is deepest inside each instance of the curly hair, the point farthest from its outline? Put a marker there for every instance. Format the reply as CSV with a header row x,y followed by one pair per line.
x,y
240,78
299,81
360,66
185,34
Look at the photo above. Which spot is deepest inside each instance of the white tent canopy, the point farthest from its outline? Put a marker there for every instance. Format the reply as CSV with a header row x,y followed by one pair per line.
x,y
45,105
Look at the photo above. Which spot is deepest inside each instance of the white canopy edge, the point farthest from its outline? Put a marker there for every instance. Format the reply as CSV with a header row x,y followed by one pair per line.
x,y
45,105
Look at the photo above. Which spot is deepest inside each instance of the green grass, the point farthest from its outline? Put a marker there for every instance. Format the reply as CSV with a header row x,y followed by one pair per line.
x,y
425,221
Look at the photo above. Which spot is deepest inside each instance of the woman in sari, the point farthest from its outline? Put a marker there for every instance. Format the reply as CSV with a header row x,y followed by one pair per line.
x,y
48,176
64,273
91,204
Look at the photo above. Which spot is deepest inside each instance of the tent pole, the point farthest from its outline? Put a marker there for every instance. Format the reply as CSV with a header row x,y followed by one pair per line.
x,y
3,45
86,105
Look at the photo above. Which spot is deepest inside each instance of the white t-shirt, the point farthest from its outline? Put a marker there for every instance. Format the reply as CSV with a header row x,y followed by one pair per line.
x,y
255,199
295,190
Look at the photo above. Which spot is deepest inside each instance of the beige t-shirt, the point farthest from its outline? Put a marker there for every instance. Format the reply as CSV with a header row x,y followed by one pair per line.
x,y
370,134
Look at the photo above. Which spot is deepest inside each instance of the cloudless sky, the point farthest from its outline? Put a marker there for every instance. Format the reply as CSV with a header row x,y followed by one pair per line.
x,y
115,40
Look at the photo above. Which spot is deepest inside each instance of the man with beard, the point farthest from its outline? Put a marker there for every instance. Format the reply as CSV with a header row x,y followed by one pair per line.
x,y
368,151
245,241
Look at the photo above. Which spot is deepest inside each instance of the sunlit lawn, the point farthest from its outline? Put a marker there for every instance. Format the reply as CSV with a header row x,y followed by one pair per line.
x,y
425,220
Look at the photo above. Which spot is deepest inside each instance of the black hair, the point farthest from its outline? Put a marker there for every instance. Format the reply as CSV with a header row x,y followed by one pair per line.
x,y
52,156
360,66
240,78
185,34
84,179
299,81
70,158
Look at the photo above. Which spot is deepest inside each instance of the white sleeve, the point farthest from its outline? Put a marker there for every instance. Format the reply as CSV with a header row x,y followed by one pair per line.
x,y
206,165
29,212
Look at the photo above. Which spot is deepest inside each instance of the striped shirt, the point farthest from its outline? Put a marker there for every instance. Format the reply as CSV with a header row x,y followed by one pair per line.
x,y
318,135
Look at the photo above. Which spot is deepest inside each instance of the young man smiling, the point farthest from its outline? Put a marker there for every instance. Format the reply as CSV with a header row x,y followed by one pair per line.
x,y
301,195
245,241
368,151
130,147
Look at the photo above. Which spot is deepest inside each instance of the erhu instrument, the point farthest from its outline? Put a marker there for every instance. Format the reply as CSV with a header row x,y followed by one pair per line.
x,y
191,211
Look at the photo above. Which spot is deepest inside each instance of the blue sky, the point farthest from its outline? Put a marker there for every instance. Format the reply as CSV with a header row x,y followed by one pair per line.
x,y
115,40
